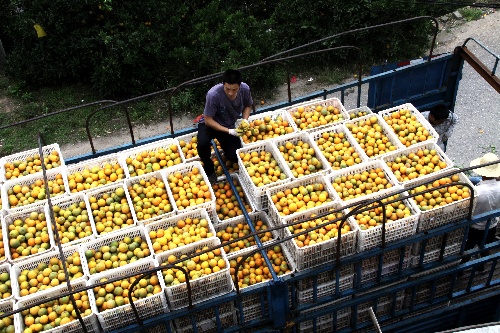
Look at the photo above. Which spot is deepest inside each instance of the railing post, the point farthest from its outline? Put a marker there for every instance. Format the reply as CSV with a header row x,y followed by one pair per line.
x,y
279,302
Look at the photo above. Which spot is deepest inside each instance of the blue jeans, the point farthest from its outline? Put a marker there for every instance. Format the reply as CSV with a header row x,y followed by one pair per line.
x,y
475,180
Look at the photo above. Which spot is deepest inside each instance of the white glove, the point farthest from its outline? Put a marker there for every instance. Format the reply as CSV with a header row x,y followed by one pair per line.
x,y
232,131
237,123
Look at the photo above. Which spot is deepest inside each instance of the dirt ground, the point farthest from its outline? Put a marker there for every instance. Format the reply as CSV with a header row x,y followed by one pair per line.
x,y
452,32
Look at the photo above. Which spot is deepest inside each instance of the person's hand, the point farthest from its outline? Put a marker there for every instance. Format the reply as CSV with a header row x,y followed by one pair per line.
x,y
232,131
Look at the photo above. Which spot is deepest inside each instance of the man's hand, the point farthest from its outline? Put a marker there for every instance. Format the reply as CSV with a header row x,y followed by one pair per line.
x,y
232,131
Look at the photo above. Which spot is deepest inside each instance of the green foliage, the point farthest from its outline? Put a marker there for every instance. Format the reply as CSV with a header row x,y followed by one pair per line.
x,y
128,48
471,14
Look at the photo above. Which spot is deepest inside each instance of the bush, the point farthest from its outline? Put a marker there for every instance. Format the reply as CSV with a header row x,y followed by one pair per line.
x,y
127,48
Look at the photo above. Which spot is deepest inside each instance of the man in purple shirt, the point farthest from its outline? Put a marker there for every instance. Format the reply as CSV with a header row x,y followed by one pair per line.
x,y
225,102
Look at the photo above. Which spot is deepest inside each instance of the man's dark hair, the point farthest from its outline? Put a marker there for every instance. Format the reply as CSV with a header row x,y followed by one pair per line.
x,y
231,76
440,111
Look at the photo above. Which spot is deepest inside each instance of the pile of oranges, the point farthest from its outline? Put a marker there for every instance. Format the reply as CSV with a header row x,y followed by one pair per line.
x,y
189,189
31,165
22,195
337,150
371,137
145,162
359,184
300,198
442,196
91,177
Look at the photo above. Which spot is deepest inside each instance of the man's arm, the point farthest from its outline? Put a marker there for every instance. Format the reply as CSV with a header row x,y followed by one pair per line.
x,y
210,122
246,112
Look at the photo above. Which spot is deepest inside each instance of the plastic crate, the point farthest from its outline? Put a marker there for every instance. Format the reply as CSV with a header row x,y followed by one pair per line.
x,y
9,219
384,305
206,320
423,291
317,99
184,169
318,133
450,213
353,112
203,288
5,246
98,193
99,162
374,164
390,258
167,222
434,243
147,177
387,270
29,180
66,201
32,263
324,289
7,305
413,149
219,172
421,119
149,148
335,102
323,252
22,156
245,198
6,268
324,323
123,315
258,193
273,115
304,137
392,138
304,181
394,230
325,277
254,217
189,150
74,326
96,244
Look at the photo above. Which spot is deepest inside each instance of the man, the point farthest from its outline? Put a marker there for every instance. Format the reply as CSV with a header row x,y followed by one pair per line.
x,y
443,122
488,198
225,102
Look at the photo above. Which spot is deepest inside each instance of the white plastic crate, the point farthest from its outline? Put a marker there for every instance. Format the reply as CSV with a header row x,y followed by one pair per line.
x,y
64,202
353,112
98,193
294,138
96,244
430,256
189,146
10,218
393,139
7,305
414,149
32,263
206,320
122,316
394,230
74,326
6,268
324,289
421,119
325,277
203,288
317,99
318,133
390,258
22,156
322,252
253,312
383,307
254,217
98,162
147,177
423,291
245,198
5,246
434,243
165,223
273,115
324,324
275,215
360,168
335,102
184,169
29,180
149,148
258,193
450,213
387,270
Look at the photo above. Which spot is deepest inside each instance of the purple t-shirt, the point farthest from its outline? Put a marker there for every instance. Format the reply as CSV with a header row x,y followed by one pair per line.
x,y
222,109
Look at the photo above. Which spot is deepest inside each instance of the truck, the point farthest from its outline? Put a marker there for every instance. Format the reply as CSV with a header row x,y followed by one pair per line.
x,y
403,275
